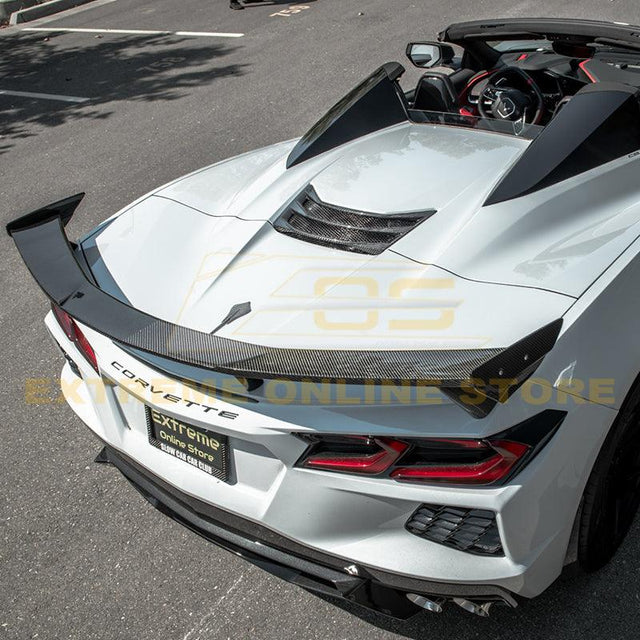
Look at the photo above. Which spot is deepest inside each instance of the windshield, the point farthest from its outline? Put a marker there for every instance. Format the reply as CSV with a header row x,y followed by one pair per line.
x,y
538,44
508,127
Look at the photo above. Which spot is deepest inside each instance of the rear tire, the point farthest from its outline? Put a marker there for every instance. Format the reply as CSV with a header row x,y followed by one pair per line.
x,y
612,494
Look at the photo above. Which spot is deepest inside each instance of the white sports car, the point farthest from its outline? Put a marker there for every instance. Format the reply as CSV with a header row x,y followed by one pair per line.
x,y
396,360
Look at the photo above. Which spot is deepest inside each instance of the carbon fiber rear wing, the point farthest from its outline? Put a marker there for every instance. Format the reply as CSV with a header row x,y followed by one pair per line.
x,y
45,249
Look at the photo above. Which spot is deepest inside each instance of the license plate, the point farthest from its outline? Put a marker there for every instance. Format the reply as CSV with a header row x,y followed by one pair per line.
x,y
198,447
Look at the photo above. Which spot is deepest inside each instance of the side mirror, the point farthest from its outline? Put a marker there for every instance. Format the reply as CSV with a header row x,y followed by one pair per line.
x,y
429,54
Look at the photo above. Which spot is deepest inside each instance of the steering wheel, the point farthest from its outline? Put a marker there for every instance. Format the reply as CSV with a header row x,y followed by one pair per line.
x,y
503,101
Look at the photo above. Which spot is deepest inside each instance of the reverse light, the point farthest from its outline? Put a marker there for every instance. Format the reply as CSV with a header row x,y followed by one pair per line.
x,y
74,333
487,461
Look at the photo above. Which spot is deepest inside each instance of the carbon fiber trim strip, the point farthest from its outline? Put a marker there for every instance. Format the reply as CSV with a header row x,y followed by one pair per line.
x,y
43,245
253,360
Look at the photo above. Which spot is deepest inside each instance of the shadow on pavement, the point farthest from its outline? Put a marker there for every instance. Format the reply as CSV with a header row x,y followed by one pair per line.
x,y
103,69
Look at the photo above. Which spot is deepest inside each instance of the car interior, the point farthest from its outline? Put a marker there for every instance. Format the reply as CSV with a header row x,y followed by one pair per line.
x,y
528,81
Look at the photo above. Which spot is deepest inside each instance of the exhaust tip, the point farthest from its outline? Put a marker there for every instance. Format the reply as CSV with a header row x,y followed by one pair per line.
x,y
481,610
430,605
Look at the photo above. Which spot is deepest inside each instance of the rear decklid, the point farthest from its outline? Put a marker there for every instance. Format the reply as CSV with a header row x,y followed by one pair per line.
x,y
191,269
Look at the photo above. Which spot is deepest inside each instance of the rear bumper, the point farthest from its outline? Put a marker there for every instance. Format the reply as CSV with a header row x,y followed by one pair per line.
x,y
308,568
334,521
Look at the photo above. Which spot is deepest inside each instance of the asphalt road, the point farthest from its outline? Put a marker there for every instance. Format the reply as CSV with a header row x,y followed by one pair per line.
x,y
81,554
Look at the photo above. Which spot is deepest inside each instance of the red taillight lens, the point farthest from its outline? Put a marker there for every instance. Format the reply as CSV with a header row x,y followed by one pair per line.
x,y
435,460
502,456
73,332
375,456
466,461
65,321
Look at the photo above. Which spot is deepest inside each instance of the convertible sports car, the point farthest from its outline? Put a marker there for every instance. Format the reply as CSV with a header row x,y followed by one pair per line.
x,y
395,360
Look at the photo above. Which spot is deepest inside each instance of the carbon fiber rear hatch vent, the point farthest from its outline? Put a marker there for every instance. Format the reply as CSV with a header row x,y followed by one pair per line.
x,y
308,218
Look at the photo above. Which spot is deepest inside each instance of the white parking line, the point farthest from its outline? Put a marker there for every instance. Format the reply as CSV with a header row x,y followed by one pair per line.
x,y
42,96
205,34
146,32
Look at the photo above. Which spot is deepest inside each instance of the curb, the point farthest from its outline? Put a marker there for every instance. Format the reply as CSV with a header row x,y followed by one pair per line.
x,y
7,7
42,10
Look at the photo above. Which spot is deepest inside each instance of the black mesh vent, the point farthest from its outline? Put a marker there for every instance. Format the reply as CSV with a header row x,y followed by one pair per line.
x,y
471,530
308,218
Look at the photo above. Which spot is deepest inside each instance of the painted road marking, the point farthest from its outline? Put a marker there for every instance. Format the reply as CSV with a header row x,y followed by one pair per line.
x,y
292,10
42,96
204,34
145,32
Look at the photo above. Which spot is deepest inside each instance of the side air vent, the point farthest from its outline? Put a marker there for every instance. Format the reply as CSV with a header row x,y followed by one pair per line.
x,y
471,530
308,218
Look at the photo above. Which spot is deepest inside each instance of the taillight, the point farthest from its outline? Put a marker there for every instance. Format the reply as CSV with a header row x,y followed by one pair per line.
x,y
74,333
496,459
434,460
357,455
